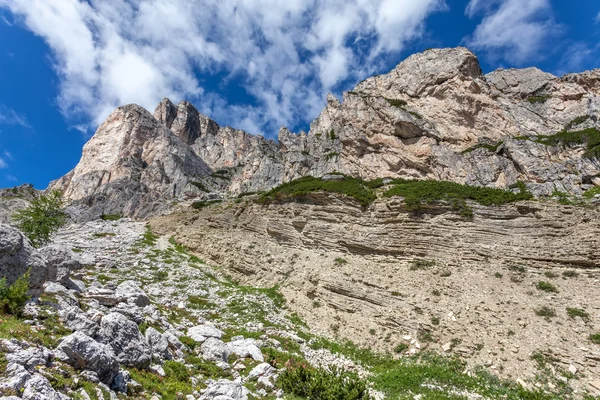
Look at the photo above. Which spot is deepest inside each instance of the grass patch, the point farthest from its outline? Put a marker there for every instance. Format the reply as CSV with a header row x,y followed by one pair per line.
x,y
595,338
550,274
578,312
546,287
331,155
538,99
416,193
200,186
576,121
199,205
111,217
421,264
397,103
589,137
175,382
76,250
570,274
591,193
299,188
340,261
160,276
546,312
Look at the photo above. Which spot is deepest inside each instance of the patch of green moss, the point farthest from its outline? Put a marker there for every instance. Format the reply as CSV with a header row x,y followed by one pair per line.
x,y
589,137
538,99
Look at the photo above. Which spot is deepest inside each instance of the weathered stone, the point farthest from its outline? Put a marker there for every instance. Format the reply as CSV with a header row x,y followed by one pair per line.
x,y
159,344
201,332
224,389
17,256
60,261
214,349
83,352
130,292
245,348
126,340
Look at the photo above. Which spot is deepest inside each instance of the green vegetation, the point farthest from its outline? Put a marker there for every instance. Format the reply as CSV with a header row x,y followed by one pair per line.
x,y
421,264
331,155
416,193
111,217
538,99
550,274
148,238
591,193
160,276
200,186
401,348
103,234
331,135
546,287
322,384
578,312
431,375
340,261
517,268
545,311
589,137
199,205
397,103
415,114
489,147
570,274
498,275
42,218
576,121
595,338
13,297
300,188
175,381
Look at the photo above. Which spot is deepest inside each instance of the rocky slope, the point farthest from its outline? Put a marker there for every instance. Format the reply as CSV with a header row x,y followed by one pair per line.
x,y
434,116
467,286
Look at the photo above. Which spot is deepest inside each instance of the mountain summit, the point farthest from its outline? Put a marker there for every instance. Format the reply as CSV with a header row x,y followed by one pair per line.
x,y
434,116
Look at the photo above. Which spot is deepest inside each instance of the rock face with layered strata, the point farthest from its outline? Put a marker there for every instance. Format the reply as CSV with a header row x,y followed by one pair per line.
x,y
434,116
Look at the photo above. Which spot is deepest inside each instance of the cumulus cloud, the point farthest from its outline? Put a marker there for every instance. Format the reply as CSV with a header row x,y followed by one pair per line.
x,y
515,30
8,116
285,54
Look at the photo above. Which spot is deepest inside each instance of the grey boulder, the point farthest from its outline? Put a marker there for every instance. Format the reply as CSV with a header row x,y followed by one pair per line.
x,y
131,293
82,352
126,340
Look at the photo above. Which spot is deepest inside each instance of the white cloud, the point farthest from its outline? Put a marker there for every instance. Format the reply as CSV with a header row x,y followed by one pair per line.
x,y
11,178
3,163
8,116
515,30
598,17
287,54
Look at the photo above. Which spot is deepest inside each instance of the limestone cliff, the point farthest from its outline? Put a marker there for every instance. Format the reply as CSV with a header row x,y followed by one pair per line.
x,y
434,116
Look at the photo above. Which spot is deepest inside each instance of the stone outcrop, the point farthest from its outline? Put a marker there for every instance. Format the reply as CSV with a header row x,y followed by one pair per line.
x,y
17,256
434,116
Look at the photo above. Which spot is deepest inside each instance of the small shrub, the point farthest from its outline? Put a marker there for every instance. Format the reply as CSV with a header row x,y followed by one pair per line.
x,y
397,103
591,193
436,292
498,275
372,331
423,335
570,274
14,297
300,188
400,348
421,264
331,155
111,217
42,218
517,268
340,261
435,320
103,234
578,312
550,274
589,137
200,186
76,250
595,338
576,121
322,384
160,275
188,342
316,304
199,205
546,287
538,99
332,135
545,312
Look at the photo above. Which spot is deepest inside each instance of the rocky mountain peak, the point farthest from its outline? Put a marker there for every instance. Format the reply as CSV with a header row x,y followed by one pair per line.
x,y
434,116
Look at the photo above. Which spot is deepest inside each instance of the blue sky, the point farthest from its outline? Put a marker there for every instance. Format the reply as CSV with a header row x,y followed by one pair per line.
x,y
254,65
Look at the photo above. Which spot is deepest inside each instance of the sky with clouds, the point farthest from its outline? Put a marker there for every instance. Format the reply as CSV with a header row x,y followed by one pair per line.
x,y
254,65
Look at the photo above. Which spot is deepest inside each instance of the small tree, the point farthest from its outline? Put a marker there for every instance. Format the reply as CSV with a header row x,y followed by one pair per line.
x,y
42,218
13,297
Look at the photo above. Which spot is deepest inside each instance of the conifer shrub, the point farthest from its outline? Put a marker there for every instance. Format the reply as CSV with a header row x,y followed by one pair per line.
x,y
42,218
14,297
322,384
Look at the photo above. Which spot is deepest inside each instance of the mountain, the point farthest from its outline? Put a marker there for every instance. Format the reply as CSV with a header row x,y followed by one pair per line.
x,y
434,116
